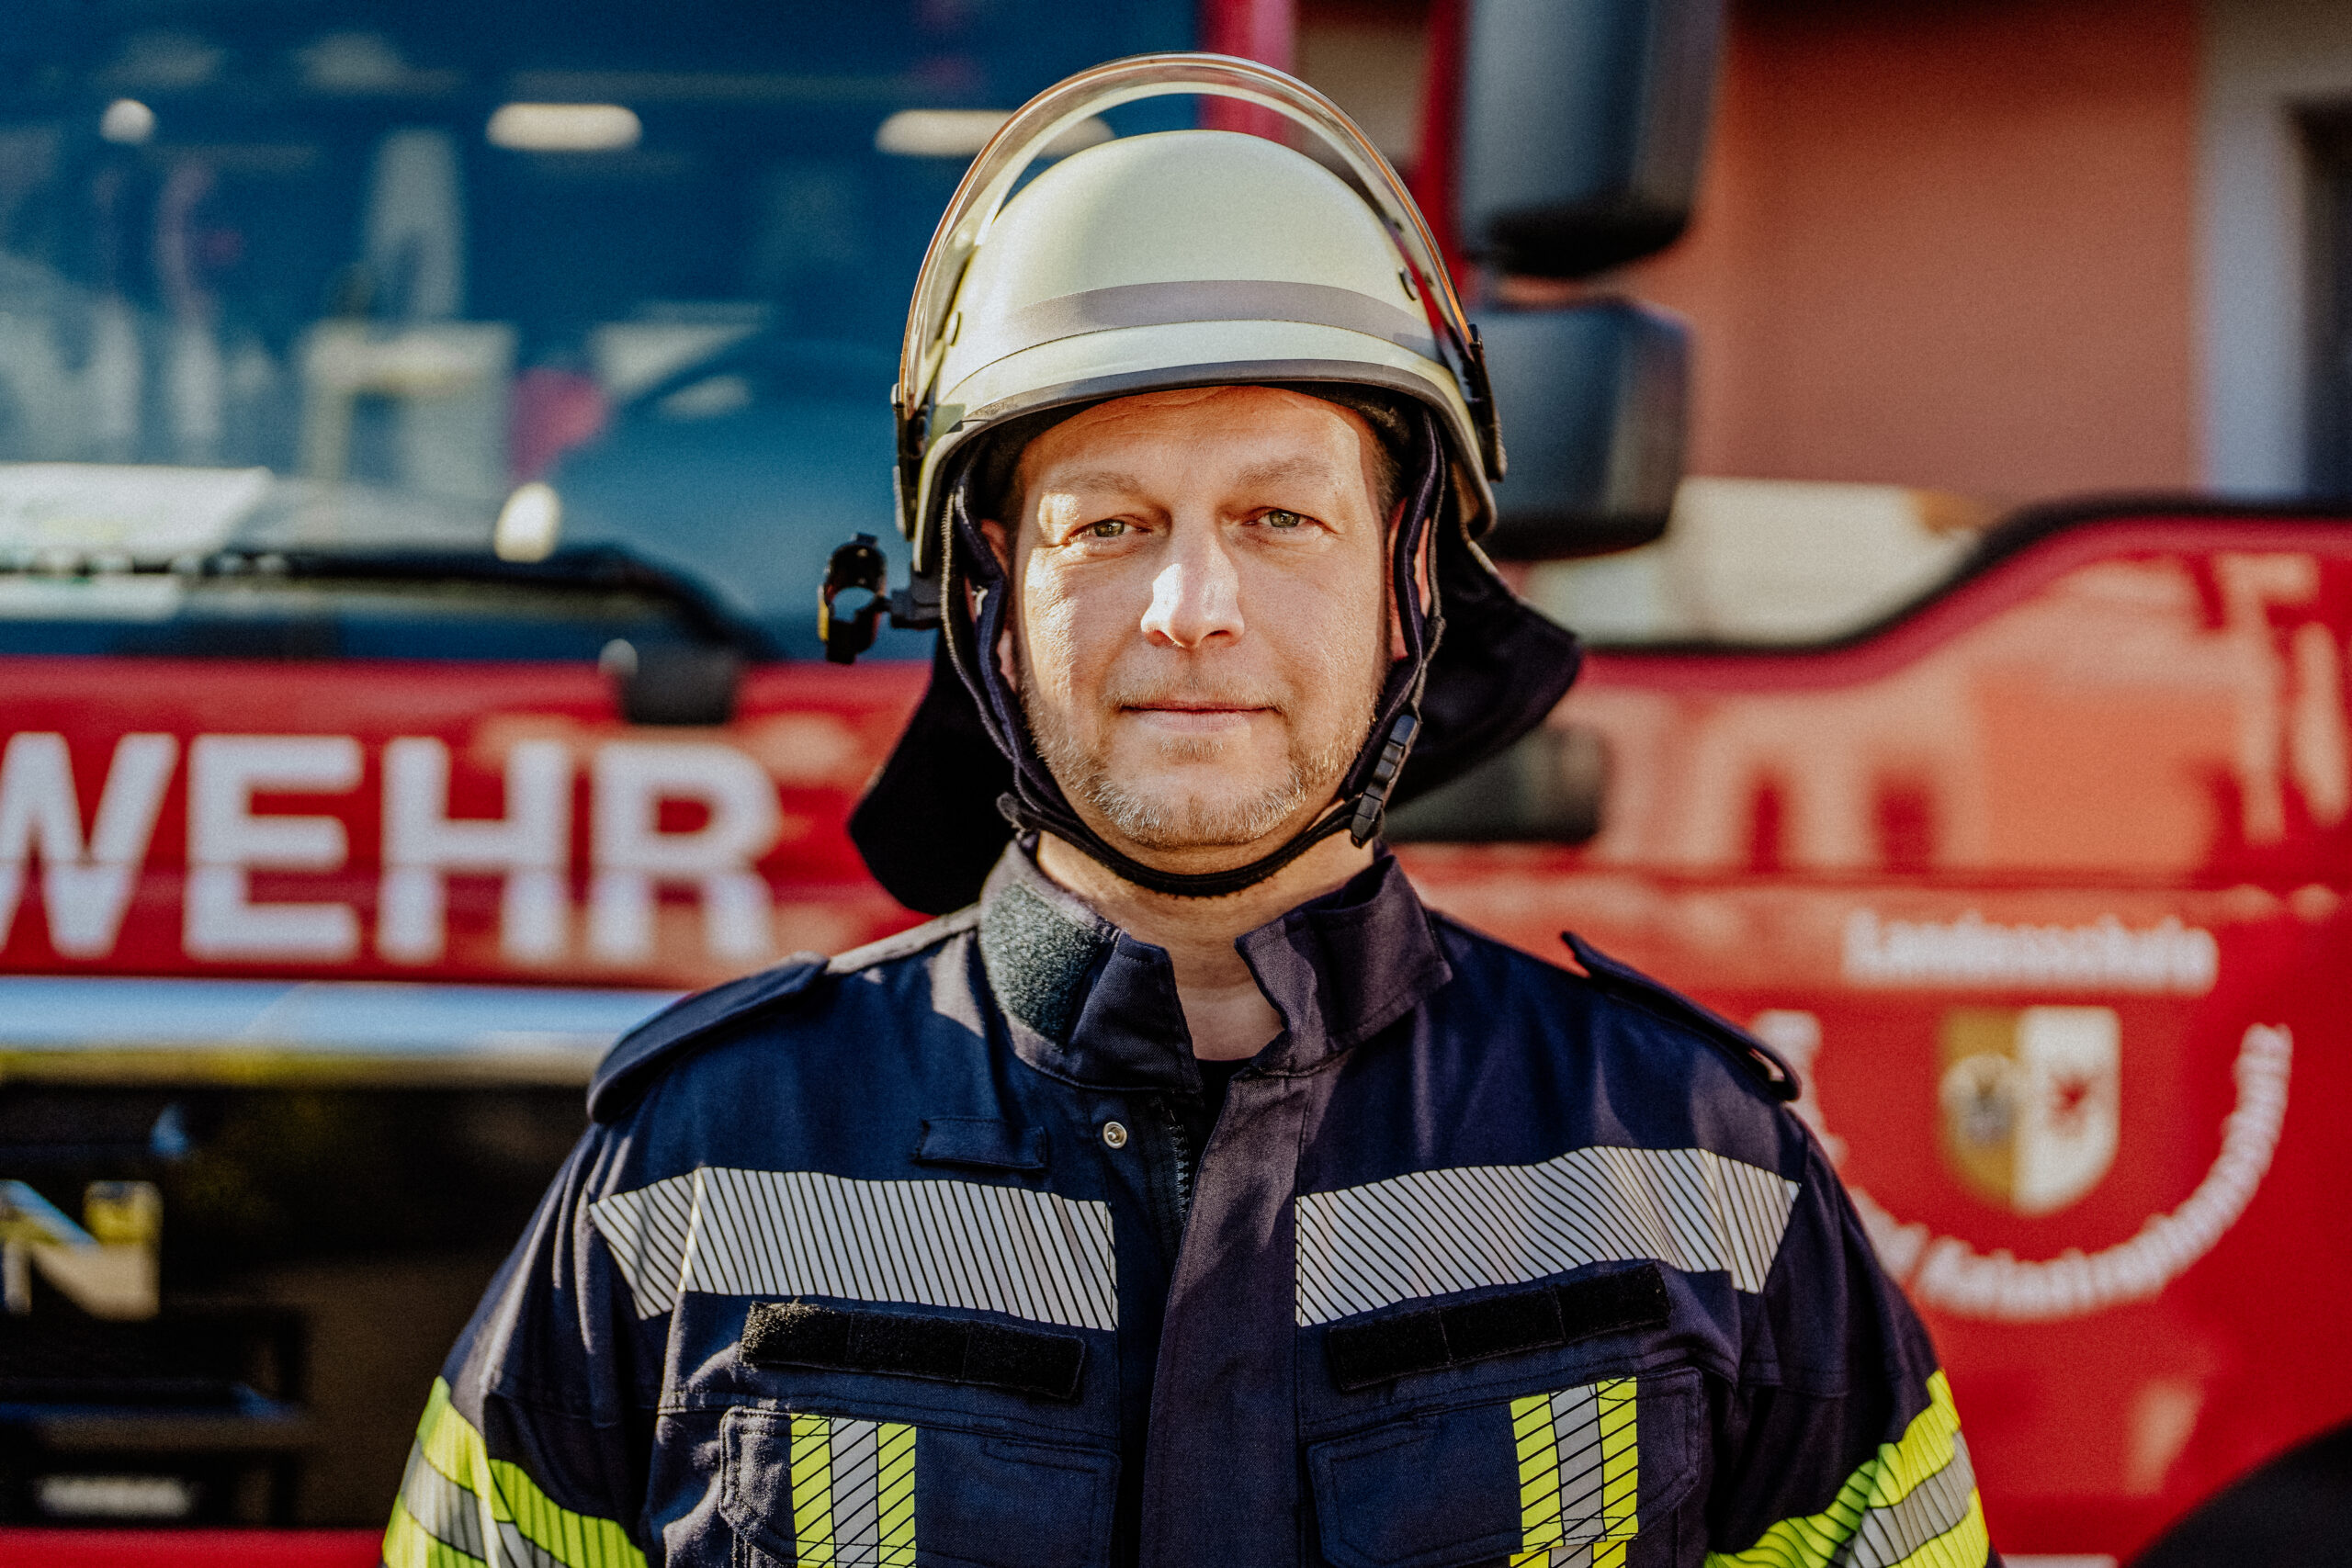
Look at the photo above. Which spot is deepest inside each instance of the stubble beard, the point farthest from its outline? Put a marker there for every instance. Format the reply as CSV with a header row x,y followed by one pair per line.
x,y
1185,820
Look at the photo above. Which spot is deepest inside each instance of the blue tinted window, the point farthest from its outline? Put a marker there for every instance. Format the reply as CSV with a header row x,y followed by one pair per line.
x,y
403,257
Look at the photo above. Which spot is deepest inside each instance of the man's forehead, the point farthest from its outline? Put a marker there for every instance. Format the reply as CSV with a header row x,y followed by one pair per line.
x,y
1299,468
1262,434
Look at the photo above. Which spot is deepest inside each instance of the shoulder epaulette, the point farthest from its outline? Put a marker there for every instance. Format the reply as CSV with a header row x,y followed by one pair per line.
x,y
656,1044
1622,981
914,939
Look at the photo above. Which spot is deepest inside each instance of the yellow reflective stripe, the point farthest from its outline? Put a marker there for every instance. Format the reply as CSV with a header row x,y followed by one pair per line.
x,y
1620,1470
812,1491
452,1447
579,1540
1930,1444
1927,1445
897,1509
1966,1545
1539,1476
1579,1453
509,1497
853,1492
408,1545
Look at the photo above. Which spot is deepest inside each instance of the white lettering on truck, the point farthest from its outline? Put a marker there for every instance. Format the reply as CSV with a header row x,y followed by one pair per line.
x,y
226,843
530,846
86,887
634,855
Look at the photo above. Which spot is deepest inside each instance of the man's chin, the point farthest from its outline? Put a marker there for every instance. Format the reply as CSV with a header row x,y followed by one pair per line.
x,y
1164,753
1173,819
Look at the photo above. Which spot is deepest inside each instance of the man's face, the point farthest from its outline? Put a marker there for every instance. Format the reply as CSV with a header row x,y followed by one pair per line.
x,y
1201,611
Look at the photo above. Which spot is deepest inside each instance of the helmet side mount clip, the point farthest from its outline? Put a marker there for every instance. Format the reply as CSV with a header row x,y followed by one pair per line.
x,y
858,567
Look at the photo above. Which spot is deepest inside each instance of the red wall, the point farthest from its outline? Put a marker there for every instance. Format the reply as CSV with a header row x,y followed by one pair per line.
x,y
1947,245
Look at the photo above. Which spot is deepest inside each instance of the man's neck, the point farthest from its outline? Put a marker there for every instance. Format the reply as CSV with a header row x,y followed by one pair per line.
x,y
1228,1016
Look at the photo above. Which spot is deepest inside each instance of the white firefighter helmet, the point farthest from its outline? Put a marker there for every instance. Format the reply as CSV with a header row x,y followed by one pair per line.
x,y
1179,259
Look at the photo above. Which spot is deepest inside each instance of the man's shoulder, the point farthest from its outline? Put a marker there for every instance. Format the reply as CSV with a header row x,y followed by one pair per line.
x,y
1607,990
794,994
916,941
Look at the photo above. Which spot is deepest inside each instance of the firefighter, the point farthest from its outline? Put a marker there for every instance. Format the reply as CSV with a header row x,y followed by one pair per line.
x,y
1196,1196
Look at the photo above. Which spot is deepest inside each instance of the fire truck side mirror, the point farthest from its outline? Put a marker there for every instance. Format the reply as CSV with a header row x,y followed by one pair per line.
x,y
1593,398
674,684
1583,125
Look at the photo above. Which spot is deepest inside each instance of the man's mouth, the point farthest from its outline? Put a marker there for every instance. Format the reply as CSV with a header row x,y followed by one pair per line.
x,y
1182,707
1195,717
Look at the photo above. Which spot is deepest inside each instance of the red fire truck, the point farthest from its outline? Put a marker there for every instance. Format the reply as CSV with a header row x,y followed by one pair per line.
x,y
422,430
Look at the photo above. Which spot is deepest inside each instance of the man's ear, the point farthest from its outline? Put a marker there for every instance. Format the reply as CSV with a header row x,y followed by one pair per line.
x,y
1388,585
1001,542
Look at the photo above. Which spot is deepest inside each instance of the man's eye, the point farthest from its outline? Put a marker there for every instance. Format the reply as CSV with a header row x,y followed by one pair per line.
x,y
1108,528
1281,519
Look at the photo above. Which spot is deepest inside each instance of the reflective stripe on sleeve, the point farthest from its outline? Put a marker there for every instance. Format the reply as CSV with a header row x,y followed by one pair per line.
x,y
1913,1506
459,1508
441,1508
408,1544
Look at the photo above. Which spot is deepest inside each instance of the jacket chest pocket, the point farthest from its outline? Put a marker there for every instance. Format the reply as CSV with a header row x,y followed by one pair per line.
x,y
1564,1478
803,1487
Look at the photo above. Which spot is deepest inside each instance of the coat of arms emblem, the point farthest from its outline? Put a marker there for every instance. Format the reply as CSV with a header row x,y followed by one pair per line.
x,y
2029,1102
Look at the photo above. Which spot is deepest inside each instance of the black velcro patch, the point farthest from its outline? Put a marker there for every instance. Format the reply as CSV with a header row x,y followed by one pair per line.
x,y
977,1141
1040,961
949,1350
1542,1317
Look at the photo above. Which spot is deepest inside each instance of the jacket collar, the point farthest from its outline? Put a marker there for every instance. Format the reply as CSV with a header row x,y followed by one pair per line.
x,y
1087,1002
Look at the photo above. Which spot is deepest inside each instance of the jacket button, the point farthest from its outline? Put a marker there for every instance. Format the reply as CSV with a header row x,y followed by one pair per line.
x,y
1114,1134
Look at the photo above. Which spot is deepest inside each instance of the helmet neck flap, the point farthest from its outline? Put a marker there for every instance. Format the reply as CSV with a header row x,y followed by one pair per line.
x,y
1036,803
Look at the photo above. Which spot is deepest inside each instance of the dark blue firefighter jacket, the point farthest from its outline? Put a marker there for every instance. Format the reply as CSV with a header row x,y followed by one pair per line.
x,y
909,1258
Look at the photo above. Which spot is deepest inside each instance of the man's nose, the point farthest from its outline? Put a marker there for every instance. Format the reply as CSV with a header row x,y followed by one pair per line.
x,y
1196,595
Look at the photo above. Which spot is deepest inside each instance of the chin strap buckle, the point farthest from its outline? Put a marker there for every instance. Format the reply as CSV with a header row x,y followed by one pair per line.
x,y
1372,801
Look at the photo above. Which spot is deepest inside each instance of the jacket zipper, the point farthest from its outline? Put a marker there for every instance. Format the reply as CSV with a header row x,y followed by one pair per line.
x,y
1186,1160
1167,1174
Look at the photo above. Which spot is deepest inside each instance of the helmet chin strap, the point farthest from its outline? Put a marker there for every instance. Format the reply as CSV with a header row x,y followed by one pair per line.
x,y
1037,802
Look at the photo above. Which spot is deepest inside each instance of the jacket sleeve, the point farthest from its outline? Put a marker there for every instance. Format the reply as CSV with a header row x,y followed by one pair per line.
x,y
1841,1443
529,1452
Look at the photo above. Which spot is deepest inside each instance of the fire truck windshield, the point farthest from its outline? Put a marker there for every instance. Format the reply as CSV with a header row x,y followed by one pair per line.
x,y
342,277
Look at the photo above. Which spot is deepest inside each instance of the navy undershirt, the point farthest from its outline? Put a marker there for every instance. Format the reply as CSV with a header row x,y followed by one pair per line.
x,y
1216,1079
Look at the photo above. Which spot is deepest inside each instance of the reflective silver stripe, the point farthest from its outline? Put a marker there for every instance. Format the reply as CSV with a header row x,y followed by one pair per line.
x,y
1436,1232
1576,1428
452,1515
442,1509
857,1489
1938,1504
522,1551
787,1233
1175,302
